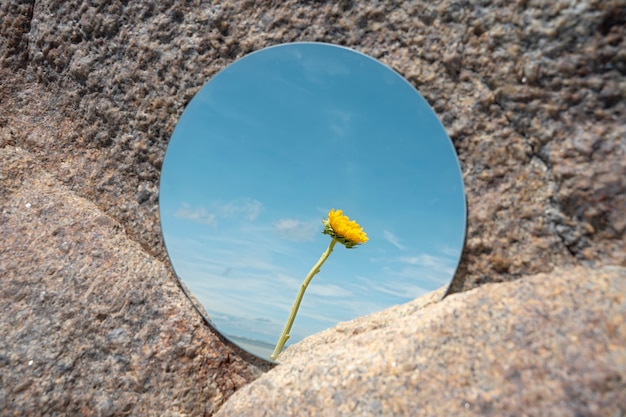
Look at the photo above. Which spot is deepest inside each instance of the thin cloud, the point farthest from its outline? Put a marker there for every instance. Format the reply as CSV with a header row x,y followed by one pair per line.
x,y
436,263
246,207
393,239
401,288
450,251
197,214
340,121
297,230
328,290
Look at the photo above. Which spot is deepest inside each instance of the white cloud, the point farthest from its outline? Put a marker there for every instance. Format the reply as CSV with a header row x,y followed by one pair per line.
x,y
340,121
197,214
403,288
328,290
297,230
393,239
246,207
450,251
435,263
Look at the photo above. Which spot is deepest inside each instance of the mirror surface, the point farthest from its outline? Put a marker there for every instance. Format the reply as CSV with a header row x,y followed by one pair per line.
x,y
265,150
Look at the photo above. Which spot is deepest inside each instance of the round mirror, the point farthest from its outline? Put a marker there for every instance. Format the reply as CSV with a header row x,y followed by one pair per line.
x,y
264,151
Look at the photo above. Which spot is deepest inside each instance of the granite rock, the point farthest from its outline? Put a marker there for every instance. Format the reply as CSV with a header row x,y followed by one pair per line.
x,y
533,96
531,93
546,345
92,324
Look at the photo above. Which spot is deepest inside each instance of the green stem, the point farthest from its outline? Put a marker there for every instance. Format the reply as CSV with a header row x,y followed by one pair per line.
x,y
296,305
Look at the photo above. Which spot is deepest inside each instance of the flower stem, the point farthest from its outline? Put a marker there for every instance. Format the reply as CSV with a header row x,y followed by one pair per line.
x,y
296,305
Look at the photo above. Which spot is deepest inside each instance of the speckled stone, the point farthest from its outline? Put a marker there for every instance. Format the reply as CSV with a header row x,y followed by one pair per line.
x,y
547,345
532,93
91,324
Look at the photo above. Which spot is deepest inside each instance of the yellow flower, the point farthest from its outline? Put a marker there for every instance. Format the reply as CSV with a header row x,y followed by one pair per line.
x,y
346,231
342,230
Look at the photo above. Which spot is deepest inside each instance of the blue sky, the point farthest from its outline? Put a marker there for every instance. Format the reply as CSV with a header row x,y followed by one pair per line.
x,y
261,154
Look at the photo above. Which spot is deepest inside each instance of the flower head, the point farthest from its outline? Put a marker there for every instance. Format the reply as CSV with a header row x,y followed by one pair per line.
x,y
346,231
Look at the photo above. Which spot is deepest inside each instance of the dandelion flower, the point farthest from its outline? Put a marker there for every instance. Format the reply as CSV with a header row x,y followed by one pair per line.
x,y
346,231
341,229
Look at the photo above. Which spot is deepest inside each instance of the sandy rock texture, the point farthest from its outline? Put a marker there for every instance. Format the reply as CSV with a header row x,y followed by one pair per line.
x,y
546,345
91,324
532,94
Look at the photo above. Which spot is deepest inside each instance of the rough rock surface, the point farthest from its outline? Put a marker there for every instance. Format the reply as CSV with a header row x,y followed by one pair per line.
x,y
533,94
547,345
91,324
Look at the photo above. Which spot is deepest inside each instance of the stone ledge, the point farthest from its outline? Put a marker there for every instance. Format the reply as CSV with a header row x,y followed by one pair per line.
x,y
91,323
549,344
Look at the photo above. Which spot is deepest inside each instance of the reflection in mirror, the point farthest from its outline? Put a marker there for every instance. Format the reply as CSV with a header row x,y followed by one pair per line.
x,y
260,156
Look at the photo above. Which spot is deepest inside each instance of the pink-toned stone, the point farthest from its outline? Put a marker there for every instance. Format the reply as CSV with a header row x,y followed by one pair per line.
x,y
547,345
91,323
532,95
